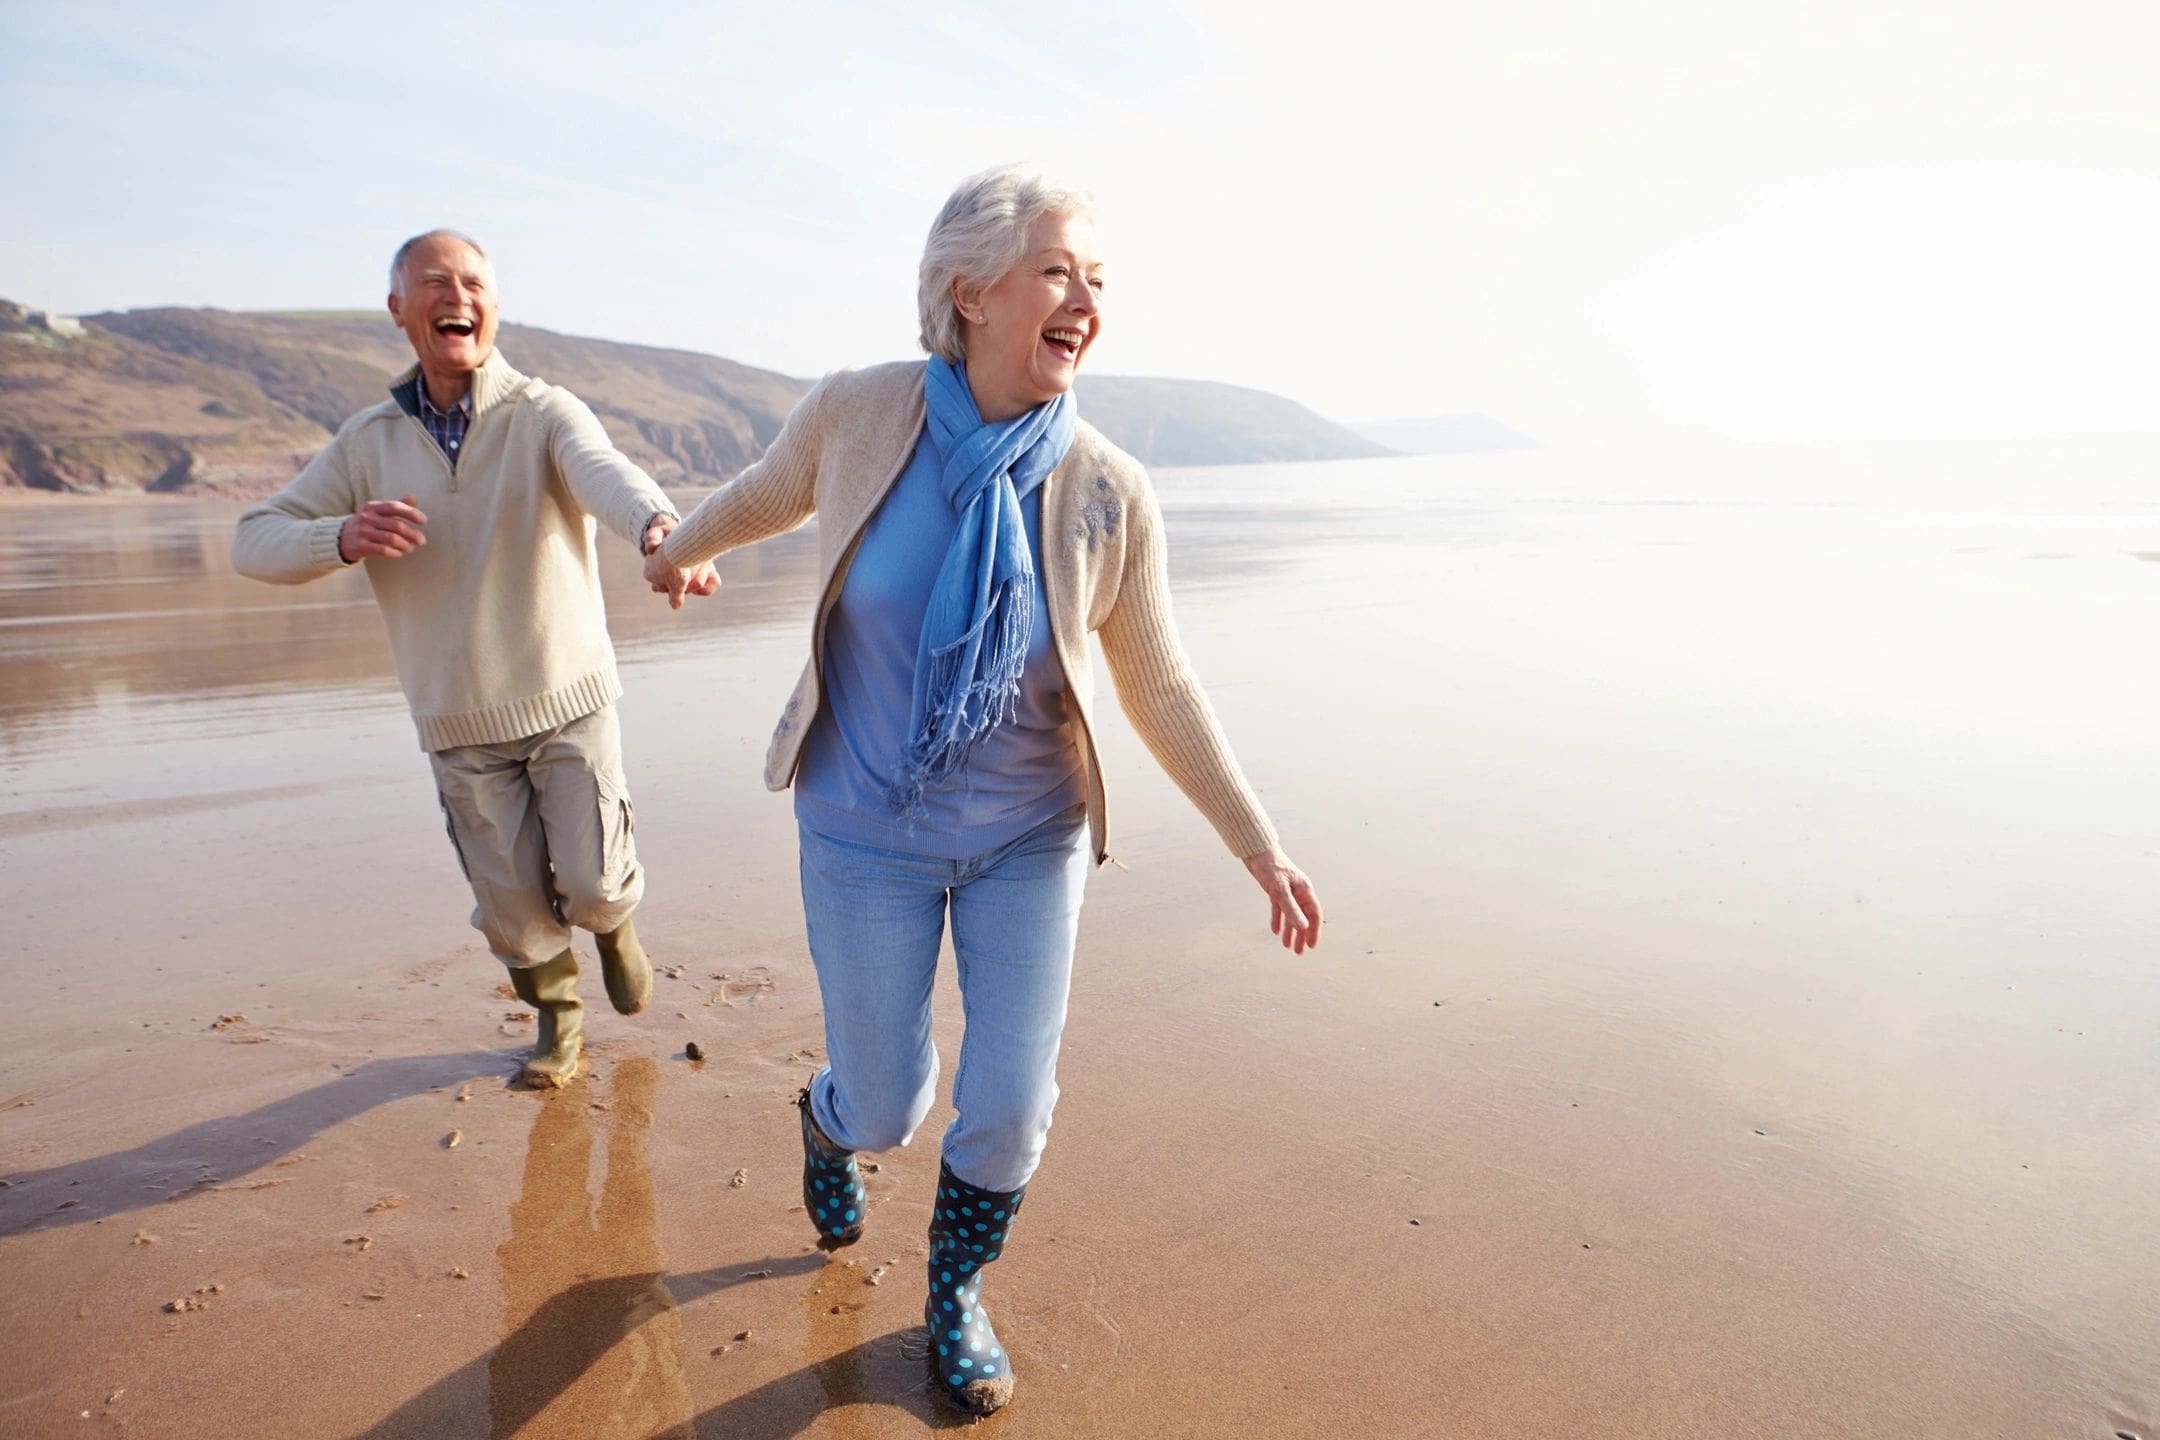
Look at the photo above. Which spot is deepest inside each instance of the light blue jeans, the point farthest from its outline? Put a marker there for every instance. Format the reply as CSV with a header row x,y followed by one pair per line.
x,y
876,919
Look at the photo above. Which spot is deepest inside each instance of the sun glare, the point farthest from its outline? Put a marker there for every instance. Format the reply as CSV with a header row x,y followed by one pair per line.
x,y
1953,302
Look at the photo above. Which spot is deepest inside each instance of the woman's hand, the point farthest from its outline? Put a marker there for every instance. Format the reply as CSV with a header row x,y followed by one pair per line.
x,y
664,578
1296,915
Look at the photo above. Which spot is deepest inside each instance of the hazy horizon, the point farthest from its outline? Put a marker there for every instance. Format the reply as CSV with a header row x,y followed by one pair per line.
x,y
1925,221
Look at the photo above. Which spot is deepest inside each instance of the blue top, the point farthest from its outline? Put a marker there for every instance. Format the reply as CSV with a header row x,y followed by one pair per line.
x,y
1025,771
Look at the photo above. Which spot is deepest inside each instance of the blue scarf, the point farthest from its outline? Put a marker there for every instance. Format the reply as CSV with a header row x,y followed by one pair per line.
x,y
982,608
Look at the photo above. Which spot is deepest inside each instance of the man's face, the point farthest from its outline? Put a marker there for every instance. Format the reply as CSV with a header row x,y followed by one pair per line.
x,y
448,308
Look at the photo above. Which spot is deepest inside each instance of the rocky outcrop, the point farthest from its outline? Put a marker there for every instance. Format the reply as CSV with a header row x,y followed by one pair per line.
x,y
90,467
685,451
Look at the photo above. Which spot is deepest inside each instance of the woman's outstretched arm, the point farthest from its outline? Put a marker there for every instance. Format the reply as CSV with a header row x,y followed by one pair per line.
x,y
1162,696
770,498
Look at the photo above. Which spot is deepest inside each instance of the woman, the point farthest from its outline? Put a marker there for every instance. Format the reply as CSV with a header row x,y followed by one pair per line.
x,y
973,531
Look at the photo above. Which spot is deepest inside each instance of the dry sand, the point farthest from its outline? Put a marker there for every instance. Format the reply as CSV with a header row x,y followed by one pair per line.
x,y
1736,1016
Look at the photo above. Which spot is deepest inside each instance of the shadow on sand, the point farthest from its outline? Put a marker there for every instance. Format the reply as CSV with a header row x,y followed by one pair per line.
x,y
214,1151
884,1372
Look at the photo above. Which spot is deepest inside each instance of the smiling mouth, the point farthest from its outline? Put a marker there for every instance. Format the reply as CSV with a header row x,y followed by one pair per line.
x,y
1065,342
454,327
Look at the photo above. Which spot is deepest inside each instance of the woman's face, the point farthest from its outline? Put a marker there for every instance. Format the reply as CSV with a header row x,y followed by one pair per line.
x,y
1026,333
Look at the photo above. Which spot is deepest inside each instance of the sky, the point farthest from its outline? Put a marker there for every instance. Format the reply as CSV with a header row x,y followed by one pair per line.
x,y
1591,221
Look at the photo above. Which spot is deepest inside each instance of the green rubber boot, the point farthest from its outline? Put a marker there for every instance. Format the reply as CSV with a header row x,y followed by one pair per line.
x,y
551,988
625,968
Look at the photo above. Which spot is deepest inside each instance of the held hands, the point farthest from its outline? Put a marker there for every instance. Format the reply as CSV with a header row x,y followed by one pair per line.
x,y
382,530
666,579
1296,915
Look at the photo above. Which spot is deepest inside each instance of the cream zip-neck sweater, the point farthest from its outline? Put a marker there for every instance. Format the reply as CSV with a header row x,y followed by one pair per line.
x,y
1103,574
496,625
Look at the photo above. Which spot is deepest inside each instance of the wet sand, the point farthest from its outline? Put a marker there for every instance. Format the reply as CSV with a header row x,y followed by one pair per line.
x,y
1736,1016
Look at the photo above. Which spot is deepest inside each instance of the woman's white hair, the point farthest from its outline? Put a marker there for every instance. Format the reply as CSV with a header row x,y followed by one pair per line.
x,y
979,236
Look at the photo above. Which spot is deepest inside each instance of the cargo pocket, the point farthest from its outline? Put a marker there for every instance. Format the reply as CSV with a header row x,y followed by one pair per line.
x,y
449,825
618,834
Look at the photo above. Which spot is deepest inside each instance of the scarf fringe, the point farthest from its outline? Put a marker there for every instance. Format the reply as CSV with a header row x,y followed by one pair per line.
x,y
960,711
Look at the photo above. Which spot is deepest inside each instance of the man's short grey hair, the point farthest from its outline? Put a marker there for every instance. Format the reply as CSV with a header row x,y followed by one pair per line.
x,y
979,236
404,251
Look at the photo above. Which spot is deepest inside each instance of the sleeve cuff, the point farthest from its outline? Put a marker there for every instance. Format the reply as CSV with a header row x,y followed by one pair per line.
x,y
322,539
648,513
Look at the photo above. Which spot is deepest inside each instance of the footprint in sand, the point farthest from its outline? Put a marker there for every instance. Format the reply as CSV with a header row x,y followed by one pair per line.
x,y
428,970
737,988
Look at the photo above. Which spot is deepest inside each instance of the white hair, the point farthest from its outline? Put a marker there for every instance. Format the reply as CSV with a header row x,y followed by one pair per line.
x,y
979,236
404,251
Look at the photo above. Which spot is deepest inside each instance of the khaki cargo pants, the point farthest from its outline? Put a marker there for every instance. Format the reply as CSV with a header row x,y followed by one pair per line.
x,y
543,829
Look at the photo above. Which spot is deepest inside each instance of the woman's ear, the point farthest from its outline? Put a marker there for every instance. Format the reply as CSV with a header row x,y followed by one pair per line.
x,y
967,299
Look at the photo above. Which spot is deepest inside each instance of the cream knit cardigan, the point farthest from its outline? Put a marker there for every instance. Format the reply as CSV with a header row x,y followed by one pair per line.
x,y
1103,573
496,624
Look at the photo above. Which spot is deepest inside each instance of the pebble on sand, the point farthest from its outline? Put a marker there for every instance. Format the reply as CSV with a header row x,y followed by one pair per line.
x,y
450,1141
742,1178
693,1051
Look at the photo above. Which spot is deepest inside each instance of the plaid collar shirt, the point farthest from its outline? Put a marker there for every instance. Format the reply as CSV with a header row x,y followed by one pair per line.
x,y
447,426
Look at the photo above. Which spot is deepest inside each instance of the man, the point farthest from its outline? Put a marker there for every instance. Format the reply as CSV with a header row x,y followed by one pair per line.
x,y
471,496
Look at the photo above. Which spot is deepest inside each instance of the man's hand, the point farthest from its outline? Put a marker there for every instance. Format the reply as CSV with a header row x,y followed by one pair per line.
x,y
666,579
382,529
656,532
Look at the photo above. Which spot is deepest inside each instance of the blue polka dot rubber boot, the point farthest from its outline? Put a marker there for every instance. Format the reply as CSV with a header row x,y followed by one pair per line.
x,y
832,1188
967,1231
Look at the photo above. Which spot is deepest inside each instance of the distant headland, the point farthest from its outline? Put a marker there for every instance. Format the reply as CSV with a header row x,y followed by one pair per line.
x,y
223,403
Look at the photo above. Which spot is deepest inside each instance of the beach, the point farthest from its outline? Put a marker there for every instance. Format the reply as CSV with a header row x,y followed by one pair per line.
x,y
1736,1015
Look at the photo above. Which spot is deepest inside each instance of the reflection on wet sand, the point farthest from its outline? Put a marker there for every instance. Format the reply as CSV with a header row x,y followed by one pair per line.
x,y
105,604
593,1341
592,1345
